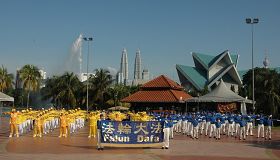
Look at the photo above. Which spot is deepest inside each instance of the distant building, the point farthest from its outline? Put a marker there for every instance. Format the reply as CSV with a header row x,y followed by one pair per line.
x,y
139,76
209,70
144,78
136,82
44,78
120,78
124,66
83,76
137,65
266,62
43,74
145,74
265,65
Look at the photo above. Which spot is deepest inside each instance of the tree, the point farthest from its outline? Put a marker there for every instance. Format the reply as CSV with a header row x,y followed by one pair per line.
x,y
118,92
133,89
31,78
82,95
267,90
99,83
51,90
204,91
62,90
6,79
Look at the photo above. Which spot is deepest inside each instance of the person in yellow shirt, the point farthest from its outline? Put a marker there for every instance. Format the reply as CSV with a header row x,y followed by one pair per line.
x,y
22,123
38,127
71,121
68,117
93,117
117,116
144,116
80,119
63,126
13,124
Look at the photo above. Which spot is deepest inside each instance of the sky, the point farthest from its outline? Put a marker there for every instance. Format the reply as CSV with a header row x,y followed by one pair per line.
x,y
166,31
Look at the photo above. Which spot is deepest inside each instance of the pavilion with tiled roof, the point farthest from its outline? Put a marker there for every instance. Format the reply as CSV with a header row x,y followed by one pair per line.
x,y
159,93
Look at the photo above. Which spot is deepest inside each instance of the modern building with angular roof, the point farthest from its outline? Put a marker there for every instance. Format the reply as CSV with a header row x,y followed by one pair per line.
x,y
208,70
159,93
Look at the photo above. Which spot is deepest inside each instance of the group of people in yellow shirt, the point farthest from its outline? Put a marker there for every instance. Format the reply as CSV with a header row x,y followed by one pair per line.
x,y
21,122
70,121
45,121
93,118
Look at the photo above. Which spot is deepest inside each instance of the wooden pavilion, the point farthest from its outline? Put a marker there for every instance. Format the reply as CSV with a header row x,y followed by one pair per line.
x,y
160,93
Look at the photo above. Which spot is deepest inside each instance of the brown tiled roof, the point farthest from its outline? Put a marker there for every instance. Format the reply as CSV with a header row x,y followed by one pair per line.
x,y
160,89
158,96
161,82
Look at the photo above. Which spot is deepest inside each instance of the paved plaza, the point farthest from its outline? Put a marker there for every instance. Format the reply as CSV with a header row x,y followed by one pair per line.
x,y
78,146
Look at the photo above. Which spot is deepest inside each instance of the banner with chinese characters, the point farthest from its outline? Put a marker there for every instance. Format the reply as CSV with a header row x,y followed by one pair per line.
x,y
229,107
131,133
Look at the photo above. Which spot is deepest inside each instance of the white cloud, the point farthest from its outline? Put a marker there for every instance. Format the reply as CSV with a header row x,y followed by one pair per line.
x,y
113,71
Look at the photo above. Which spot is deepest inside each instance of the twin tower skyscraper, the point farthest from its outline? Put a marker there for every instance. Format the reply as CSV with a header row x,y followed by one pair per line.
x,y
139,76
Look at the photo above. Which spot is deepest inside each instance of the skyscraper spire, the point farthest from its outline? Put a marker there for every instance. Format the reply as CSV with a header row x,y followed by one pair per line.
x,y
137,65
124,66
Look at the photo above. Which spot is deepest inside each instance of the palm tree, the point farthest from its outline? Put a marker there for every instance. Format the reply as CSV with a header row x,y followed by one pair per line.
x,y
50,91
267,90
6,80
99,83
133,89
271,91
31,78
118,92
82,95
63,90
67,87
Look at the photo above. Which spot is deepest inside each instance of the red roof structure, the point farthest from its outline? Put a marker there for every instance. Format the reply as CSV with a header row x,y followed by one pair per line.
x,y
159,90
162,82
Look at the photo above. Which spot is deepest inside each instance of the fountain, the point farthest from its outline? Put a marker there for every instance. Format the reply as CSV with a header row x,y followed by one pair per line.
x,y
74,62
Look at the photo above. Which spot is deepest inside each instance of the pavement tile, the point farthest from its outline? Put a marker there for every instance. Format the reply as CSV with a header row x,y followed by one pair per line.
x,y
78,146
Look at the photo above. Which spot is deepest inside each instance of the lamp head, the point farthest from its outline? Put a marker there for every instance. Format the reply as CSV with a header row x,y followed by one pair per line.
x,y
255,20
248,20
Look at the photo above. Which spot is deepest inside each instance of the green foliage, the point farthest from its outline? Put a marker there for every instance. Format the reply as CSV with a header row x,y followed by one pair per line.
x,y
99,84
267,90
6,79
19,97
193,93
62,90
204,91
31,78
134,89
66,90
118,92
68,85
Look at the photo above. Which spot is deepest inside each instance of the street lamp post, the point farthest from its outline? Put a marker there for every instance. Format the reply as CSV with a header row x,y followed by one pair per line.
x,y
88,39
253,21
115,101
